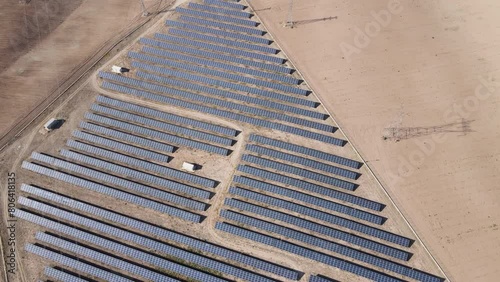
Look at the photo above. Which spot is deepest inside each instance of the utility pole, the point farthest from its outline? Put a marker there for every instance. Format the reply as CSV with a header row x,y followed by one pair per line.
x,y
145,13
289,20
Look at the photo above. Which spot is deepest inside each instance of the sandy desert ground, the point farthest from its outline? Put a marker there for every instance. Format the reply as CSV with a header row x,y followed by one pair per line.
x,y
433,65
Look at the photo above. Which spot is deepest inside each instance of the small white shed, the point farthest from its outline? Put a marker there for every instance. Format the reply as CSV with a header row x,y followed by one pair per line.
x,y
188,166
117,69
51,124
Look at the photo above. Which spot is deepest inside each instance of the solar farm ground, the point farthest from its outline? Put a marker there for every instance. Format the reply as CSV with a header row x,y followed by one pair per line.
x,y
299,220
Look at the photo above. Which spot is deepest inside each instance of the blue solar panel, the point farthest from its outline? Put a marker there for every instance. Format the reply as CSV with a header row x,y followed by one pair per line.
x,y
190,242
220,10
225,26
306,252
225,4
219,32
167,116
302,161
215,17
208,46
62,276
216,56
218,40
220,113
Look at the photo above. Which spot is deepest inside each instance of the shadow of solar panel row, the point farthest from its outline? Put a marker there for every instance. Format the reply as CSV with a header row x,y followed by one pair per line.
x,y
215,56
225,26
217,48
138,152
306,252
302,161
127,137
225,4
164,171
221,113
192,243
306,210
319,278
157,134
215,17
311,187
142,176
337,220
156,124
226,67
331,246
219,10
221,83
205,99
300,172
172,251
62,276
224,94
219,32
210,72
125,196
102,257
218,40
305,151
69,261
166,116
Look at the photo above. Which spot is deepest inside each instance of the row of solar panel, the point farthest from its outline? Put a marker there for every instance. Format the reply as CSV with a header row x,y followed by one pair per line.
x,y
217,48
108,143
215,56
205,99
219,10
225,4
306,151
141,176
333,219
170,250
311,187
166,116
80,250
306,210
215,17
300,172
133,139
219,32
157,134
218,40
215,73
160,125
189,242
116,193
164,171
62,276
223,66
306,252
226,26
70,261
331,246
302,161
224,114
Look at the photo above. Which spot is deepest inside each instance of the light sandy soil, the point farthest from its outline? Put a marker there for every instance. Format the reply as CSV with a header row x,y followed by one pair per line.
x,y
417,71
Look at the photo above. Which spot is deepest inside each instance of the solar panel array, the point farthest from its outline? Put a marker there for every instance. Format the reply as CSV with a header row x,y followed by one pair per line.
x,y
217,112
190,242
225,4
215,56
217,48
130,138
157,134
306,252
124,196
306,151
219,32
164,171
222,25
220,10
215,17
300,172
166,116
218,40
136,151
302,161
62,276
